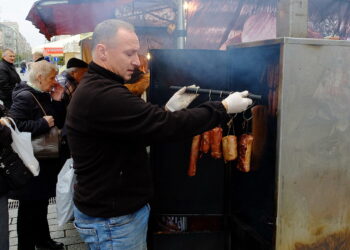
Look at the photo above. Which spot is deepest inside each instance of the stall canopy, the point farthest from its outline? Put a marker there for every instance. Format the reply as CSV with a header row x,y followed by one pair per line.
x,y
211,24
63,17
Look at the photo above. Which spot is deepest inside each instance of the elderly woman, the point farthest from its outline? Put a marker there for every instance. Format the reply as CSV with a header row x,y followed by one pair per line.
x,y
32,225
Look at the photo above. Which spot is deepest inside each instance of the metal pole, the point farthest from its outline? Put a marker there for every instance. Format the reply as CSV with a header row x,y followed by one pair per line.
x,y
292,18
180,25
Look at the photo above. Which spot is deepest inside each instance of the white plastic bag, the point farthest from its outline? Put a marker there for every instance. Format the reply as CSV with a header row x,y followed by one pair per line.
x,y
64,193
22,145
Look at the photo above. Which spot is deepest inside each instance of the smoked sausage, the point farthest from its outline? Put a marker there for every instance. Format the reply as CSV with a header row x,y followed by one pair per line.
x,y
244,152
194,155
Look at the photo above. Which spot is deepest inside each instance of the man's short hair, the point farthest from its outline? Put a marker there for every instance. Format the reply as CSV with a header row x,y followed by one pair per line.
x,y
107,29
6,51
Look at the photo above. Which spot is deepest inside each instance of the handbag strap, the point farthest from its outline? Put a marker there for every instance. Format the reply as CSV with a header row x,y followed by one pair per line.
x,y
12,125
38,103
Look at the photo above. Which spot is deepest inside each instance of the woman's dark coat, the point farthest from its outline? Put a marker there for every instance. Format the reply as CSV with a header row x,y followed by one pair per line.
x,y
29,118
5,141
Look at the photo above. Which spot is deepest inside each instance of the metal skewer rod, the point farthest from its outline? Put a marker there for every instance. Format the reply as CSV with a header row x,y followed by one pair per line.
x,y
213,92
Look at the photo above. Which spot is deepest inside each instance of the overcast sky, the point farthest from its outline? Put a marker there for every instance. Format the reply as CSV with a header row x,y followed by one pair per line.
x,y
16,11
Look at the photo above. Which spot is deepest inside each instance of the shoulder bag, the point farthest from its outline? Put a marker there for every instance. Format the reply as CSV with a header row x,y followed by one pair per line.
x,y
46,146
17,162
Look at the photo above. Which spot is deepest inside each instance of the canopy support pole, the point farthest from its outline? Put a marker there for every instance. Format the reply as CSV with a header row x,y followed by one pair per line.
x,y
181,32
292,18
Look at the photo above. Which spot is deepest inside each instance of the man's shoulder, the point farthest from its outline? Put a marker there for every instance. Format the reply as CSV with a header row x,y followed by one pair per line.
x,y
3,65
96,81
99,91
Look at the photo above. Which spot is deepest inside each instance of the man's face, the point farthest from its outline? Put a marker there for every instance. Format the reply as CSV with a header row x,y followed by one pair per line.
x,y
121,54
9,57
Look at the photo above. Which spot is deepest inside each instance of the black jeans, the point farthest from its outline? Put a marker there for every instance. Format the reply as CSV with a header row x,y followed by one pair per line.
x,y
32,224
4,223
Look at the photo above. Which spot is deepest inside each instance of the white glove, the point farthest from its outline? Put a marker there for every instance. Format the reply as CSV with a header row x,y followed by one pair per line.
x,y
237,102
180,100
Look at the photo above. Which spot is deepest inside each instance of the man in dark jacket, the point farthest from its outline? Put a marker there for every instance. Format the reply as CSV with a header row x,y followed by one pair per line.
x,y
108,129
71,77
8,77
5,141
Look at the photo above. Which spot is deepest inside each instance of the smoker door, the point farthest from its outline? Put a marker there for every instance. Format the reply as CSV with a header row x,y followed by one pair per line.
x,y
253,194
312,137
177,193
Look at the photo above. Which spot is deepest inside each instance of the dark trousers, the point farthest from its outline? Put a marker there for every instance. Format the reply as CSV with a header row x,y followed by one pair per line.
x,y
32,224
4,223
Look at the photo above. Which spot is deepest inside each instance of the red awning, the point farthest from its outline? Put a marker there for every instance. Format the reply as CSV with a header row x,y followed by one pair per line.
x,y
69,17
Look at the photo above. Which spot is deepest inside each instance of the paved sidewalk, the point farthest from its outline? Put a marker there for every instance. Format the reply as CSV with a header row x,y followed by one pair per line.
x,y
65,234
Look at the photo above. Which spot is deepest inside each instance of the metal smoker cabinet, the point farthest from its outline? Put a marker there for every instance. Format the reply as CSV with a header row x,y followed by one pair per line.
x,y
312,157
298,196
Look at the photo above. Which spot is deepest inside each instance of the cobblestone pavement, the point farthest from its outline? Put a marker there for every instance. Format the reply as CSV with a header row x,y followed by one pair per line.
x,y
65,234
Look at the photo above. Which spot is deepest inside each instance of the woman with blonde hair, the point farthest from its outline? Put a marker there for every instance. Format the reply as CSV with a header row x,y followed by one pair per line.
x,y
36,108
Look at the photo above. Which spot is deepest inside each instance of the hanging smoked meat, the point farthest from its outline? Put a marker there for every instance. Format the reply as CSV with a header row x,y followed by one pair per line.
x,y
194,155
205,142
259,133
229,147
244,152
215,142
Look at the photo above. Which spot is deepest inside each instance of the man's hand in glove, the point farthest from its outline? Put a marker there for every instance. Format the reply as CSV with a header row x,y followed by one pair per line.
x,y
237,102
180,100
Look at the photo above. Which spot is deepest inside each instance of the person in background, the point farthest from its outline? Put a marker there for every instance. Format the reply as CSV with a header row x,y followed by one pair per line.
x,y
5,141
108,129
32,225
38,56
8,77
71,77
23,66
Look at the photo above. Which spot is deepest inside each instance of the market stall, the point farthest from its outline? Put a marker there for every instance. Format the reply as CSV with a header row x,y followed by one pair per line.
x,y
67,48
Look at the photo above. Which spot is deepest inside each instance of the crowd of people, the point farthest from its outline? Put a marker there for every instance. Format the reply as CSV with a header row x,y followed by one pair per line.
x,y
106,127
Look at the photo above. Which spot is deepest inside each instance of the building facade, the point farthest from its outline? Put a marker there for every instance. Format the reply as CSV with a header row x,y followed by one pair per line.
x,y
11,38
